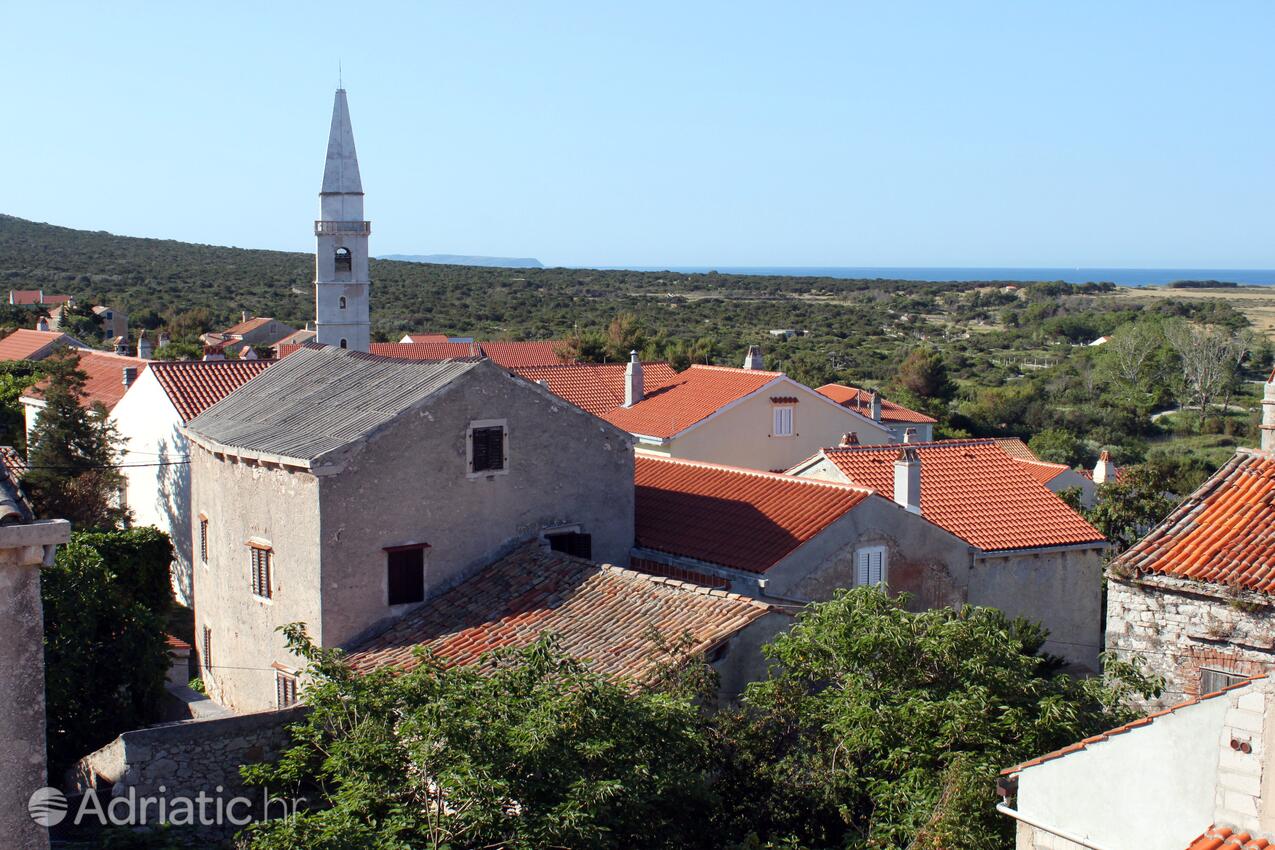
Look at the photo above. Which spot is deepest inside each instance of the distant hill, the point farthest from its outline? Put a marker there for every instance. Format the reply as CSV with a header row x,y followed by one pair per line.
x,y
464,260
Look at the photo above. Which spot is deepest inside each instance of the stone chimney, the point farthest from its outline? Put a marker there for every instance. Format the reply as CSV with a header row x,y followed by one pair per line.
x,y
1104,471
753,359
907,480
42,324
909,435
874,405
1268,415
634,389
143,346
130,375
851,439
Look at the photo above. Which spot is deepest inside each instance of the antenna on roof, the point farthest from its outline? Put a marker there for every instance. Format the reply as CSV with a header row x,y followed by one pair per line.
x,y
340,82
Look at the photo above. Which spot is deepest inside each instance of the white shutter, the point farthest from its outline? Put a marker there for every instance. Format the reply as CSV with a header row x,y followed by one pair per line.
x,y
869,566
783,422
863,570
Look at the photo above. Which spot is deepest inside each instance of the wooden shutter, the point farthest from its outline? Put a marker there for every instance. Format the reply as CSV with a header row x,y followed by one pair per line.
x,y
488,448
869,567
405,575
285,689
203,540
207,648
783,421
260,567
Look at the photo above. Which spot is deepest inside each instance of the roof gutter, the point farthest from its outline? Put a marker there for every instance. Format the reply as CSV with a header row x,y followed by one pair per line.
x,y
247,454
1052,830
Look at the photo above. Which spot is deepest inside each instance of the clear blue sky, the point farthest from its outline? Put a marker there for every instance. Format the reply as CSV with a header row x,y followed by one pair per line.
x,y
847,133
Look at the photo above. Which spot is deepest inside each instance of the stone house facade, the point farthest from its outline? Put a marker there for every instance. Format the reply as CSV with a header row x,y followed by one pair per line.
x,y
341,490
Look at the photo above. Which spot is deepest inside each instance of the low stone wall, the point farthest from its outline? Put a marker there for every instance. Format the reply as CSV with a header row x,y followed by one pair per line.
x,y
1175,628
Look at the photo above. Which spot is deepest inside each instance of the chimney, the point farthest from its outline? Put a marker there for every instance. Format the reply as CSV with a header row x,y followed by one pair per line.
x,y
907,480
753,359
909,435
162,341
874,404
248,353
121,345
130,375
851,439
634,389
42,324
1104,472
245,315
1268,415
143,346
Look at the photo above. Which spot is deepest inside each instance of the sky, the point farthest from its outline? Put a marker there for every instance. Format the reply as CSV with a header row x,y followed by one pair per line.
x,y
1094,134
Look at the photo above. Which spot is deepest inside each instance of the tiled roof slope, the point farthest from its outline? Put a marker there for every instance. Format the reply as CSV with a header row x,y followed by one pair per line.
x,y
195,385
105,382
425,350
692,396
1016,448
425,338
603,614
514,355
1224,838
319,399
26,344
858,401
1043,471
974,490
1119,730
1222,533
734,517
597,388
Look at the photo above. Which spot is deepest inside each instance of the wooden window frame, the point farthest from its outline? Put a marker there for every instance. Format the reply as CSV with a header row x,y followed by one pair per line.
x,y
479,425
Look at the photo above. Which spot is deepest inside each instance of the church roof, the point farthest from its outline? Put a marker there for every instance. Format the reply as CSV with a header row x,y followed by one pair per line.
x,y
341,173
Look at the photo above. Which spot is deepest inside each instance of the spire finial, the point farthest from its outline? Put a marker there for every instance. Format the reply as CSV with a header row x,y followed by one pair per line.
x,y
340,80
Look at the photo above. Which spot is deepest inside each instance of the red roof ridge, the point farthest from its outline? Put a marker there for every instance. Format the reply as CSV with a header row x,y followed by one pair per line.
x,y
756,473
1146,720
706,366
952,444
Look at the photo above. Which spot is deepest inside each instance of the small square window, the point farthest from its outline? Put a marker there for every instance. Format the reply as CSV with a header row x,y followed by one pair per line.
x,y
487,448
405,575
285,687
259,562
572,543
783,421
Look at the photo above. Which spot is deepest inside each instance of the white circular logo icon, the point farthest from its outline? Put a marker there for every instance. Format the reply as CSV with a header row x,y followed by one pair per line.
x,y
47,806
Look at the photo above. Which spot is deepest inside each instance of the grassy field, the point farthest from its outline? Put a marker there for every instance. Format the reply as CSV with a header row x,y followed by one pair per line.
x,y
1255,302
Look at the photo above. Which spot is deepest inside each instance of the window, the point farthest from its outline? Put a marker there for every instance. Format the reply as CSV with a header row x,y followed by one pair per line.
x,y
572,543
405,574
259,562
343,262
869,565
1215,680
783,421
206,649
343,343
342,302
486,447
203,539
285,689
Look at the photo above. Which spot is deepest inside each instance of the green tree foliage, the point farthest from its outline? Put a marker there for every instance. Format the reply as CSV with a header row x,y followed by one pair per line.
x,y
886,729
1127,509
15,377
73,453
924,374
106,605
540,753
1058,445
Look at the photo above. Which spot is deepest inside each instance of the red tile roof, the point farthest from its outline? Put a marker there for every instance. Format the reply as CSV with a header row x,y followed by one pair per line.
x,y
105,382
25,344
1042,471
603,614
858,401
1223,533
595,387
691,397
426,338
738,518
1016,448
424,350
193,386
35,296
1119,730
1224,837
974,490
297,337
247,326
513,355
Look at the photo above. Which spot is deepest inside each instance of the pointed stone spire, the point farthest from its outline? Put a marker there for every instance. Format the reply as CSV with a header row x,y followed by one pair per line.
x,y
341,173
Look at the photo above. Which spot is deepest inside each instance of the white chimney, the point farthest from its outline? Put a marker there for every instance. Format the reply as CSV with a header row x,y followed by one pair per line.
x,y
245,315
753,359
1104,472
1268,415
633,387
42,324
143,346
130,375
909,435
163,340
874,405
907,480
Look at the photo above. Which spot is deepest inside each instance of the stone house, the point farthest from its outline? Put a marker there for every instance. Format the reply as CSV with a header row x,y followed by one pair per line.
x,y
899,419
150,414
745,417
1032,555
341,490
1192,600
1196,776
252,331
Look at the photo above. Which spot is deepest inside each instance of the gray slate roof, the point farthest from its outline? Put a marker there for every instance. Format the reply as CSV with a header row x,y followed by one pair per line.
x,y
320,399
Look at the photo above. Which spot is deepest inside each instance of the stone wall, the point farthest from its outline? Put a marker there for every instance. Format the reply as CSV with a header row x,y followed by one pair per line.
x,y
1175,628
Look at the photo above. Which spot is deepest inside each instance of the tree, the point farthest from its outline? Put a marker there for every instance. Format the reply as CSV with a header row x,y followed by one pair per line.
x,y
1132,360
535,751
884,728
1209,356
924,373
72,472
1130,507
1058,445
106,604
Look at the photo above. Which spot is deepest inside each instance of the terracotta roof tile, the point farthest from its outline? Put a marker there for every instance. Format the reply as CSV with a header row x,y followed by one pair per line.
x,y
1016,448
513,355
425,338
595,387
1224,838
194,386
35,296
425,350
105,382
603,614
974,490
690,397
857,400
247,326
738,518
1042,471
1222,533
26,344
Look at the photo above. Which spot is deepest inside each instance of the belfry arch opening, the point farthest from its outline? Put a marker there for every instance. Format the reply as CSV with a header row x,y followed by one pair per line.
x,y
343,260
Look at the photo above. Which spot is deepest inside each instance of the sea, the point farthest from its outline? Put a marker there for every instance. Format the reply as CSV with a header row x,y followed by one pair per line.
x,y
1120,277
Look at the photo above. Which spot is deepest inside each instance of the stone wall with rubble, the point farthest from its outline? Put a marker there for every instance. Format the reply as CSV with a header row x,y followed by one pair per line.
x,y
1177,627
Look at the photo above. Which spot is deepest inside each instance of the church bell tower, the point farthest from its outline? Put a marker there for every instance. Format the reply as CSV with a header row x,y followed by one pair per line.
x,y
341,280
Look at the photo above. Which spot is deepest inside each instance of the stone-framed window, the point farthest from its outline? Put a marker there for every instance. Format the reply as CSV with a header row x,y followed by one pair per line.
x,y
487,448
870,563
405,574
343,261
260,558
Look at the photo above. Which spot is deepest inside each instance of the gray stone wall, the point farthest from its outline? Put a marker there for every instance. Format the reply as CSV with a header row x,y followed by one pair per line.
x,y
1176,627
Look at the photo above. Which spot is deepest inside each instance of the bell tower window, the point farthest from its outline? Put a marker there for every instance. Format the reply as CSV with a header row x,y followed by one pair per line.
x,y
343,262
342,302
343,343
